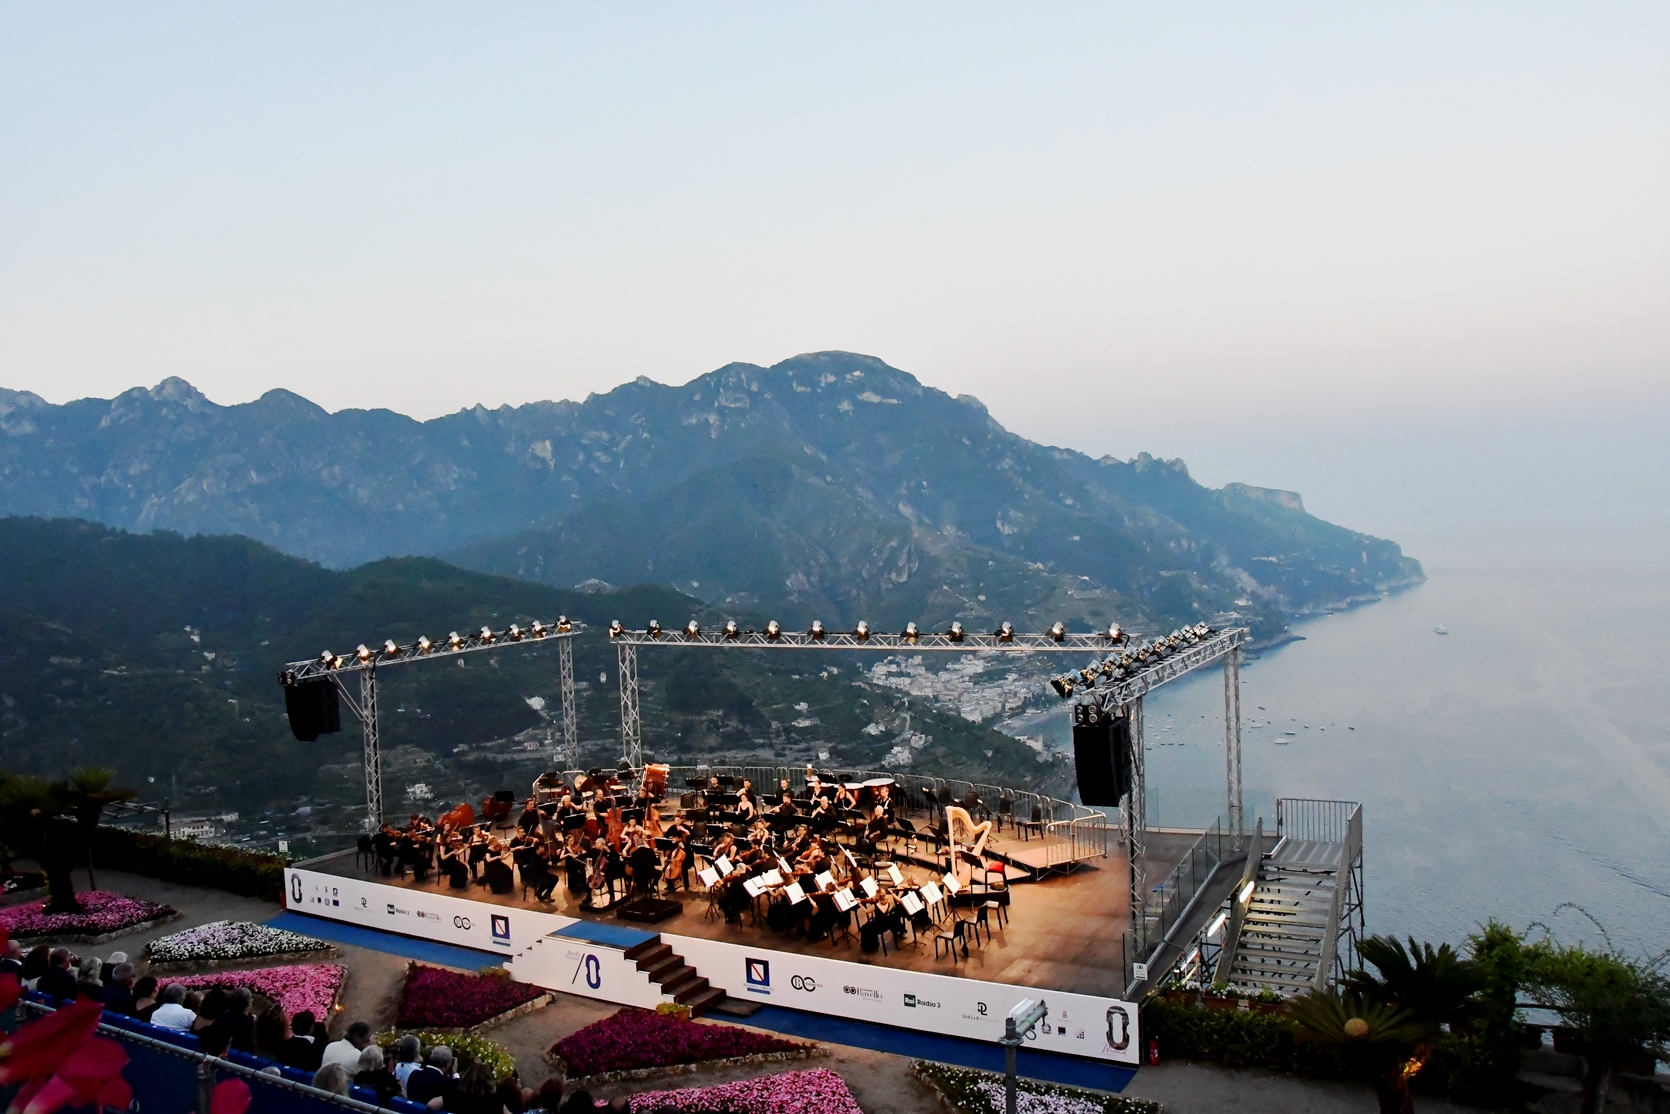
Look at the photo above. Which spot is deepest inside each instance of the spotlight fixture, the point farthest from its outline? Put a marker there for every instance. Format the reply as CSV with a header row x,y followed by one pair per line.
x,y
773,631
1058,633
730,628
1062,686
362,653
563,625
1088,676
1117,635
424,645
910,632
454,640
692,629
537,629
861,631
515,632
1004,633
615,629
487,634
816,632
325,659
390,648
955,634
655,628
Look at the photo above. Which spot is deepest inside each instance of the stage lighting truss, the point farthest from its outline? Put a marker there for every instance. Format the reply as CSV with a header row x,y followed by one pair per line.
x,y
1120,678
954,638
363,657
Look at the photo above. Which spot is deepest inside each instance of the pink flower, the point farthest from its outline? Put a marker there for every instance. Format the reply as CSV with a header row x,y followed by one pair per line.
x,y
819,1091
634,1038
435,998
102,913
302,986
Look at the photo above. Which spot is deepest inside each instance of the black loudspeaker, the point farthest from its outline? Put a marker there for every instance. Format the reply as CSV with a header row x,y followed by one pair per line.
x,y
1101,755
313,709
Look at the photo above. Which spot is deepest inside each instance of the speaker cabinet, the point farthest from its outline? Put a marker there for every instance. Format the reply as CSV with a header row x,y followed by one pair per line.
x,y
1101,755
313,709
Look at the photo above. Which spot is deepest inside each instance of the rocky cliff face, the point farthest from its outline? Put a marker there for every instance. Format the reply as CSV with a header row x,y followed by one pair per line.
x,y
830,485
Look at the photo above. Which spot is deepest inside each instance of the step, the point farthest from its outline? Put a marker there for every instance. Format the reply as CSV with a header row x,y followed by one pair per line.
x,y
703,1002
666,968
682,981
652,956
640,949
694,989
672,973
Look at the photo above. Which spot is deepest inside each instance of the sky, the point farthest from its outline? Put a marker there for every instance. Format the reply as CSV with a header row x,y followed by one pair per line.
x,y
1359,250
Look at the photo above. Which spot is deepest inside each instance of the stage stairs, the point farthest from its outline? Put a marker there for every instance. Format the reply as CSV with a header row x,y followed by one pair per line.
x,y
667,969
1289,930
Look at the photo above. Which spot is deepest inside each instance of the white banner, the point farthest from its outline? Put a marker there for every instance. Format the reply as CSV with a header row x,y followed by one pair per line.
x,y
1078,1024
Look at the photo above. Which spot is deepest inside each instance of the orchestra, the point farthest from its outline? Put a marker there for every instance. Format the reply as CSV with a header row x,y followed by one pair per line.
x,y
812,866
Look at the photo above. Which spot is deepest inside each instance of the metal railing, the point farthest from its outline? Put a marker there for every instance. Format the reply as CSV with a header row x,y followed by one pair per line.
x,y
1304,818
1172,897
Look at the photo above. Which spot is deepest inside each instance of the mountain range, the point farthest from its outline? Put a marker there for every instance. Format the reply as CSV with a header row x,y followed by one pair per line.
x,y
828,486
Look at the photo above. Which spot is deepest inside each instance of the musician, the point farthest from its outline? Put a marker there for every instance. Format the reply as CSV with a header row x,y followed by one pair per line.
x,y
725,847
845,798
677,868
784,808
822,812
652,822
497,867
633,837
476,853
679,829
746,806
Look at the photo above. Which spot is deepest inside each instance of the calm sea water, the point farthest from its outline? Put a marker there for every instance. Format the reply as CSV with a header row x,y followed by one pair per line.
x,y
1518,763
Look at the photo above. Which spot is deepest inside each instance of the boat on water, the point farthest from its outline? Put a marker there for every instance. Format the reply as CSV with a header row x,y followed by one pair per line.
x,y
1440,629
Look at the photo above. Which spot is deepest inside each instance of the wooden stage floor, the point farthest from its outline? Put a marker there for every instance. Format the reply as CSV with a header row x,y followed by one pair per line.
x,y
1065,932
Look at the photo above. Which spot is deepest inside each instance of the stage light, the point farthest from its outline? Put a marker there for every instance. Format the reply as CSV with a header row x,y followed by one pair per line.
x,y
1062,686
390,648
730,628
817,631
515,632
655,628
537,628
1004,633
955,634
615,629
1202,629
563,625
692,629
362,653
773,631
424,645
1115,634
487,635
325,659
1058,633
861,631
910,632
455,641
1088,676
1247,891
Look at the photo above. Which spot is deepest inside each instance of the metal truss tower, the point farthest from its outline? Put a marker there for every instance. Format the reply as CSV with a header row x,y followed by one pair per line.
x,y
631,727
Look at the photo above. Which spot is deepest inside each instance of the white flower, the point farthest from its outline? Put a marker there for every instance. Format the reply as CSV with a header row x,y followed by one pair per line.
x,y
226,940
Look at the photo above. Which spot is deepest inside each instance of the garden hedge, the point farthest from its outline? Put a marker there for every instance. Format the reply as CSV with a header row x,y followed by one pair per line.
x,y
247,873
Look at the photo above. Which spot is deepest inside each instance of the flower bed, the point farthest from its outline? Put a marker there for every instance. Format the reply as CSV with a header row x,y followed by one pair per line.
x,y
304,986
634,1039
222,941
980,1092
102,914
435,998
818,1091
465,1046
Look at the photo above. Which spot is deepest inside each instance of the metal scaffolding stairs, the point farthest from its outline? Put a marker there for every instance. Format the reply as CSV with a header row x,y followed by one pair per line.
x,y
1288,933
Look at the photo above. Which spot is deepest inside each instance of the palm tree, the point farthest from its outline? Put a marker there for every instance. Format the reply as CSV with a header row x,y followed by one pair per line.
x,y
1391,1043
1436,985
32,820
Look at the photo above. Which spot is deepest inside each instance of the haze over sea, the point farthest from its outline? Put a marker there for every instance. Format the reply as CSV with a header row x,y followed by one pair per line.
x,y
1521,761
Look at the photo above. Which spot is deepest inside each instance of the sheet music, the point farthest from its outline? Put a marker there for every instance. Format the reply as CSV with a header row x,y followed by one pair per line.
x,y
912,903
723,864
824,879
844,901
931,893
753,886
709,877
783,865
796,894
951,883
772,878
894,873
869,887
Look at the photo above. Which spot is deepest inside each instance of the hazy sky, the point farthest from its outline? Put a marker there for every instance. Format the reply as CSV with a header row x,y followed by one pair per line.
x,y
1120,226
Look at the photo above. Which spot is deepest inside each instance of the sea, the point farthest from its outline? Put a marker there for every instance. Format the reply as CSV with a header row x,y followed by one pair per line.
x,y
1515,768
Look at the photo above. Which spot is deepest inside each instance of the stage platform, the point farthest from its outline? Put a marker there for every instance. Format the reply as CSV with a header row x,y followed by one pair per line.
x,y
1065,931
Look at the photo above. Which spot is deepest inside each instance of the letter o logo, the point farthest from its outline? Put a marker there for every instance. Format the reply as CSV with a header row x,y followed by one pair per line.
x,y
594,972
296,888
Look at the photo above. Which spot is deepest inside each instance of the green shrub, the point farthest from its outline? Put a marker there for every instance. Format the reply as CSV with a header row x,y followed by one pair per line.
x,y
465,1046
247,873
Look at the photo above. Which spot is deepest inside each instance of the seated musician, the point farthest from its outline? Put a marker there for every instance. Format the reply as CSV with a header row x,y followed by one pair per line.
x,y
452,862
746,807
497,868
529,820
633,836
760,834
677,869
785,808
823,812
477,851
725,847
566,807
845,798
678,828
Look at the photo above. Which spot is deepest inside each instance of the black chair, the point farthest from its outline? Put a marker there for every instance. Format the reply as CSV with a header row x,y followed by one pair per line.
x,y
363,853
952,937
1036,824
943,796
1005,811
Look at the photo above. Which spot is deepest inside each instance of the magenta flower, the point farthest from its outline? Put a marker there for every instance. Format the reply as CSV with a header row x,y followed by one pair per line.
x,y
102,913
303,986
819,1091
435,998
634,1038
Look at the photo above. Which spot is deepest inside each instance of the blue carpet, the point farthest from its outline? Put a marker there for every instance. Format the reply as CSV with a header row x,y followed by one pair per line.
x,y
1051,1067
424,951
609,935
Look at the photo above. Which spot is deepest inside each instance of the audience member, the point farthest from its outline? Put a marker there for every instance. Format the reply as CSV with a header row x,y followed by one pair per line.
x,y
171,1013
145,997
333,1077
12,962
35,964
549,1098
374,1075
347,1050
213,1036
236,1020
303,1048
476,1093
432,1083
408,1057
117,993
